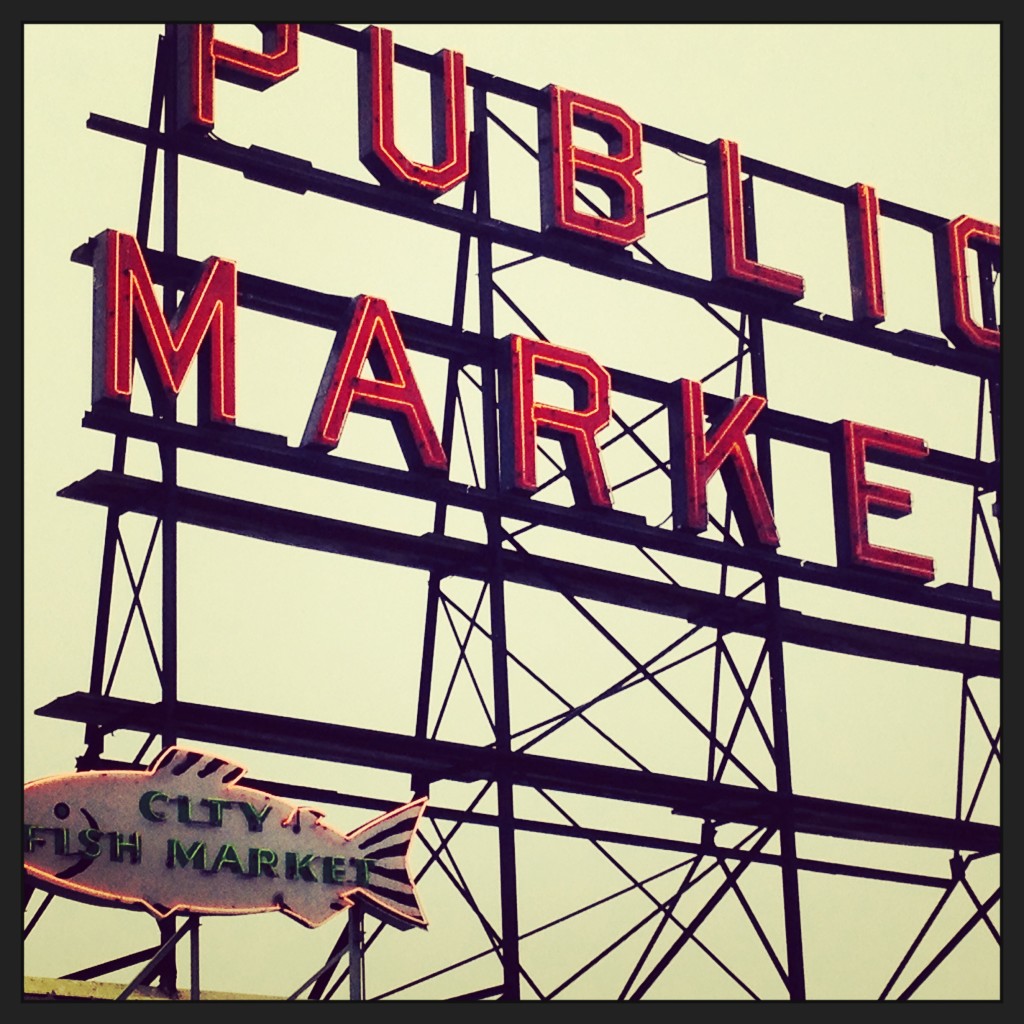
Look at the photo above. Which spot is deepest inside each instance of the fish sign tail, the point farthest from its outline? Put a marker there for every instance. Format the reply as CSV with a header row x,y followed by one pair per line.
x,y
388,890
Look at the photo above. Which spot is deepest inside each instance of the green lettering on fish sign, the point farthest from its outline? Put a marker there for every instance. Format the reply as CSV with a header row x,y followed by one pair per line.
x,y
216,805
299,867
61,839
32,838
146,805
120,842
336,869
262,862
185,811
253,817
194,855
227,857
90,840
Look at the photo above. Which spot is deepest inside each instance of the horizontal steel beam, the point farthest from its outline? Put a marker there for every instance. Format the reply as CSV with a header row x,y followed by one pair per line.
x,y
282,170
680,144
320,309
451,556
444,759
317,796
273,451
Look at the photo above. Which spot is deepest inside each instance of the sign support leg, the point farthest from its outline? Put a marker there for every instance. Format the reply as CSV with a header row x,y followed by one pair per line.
x,y
355,953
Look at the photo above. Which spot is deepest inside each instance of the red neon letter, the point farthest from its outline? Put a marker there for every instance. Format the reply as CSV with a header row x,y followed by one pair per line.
x,y
575,429
729,260
951,246
855,496
614,172
696,458
201,58
377,147
394,394
863,252
124,297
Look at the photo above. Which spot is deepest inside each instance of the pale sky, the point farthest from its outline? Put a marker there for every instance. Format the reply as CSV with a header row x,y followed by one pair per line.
x,y
911,109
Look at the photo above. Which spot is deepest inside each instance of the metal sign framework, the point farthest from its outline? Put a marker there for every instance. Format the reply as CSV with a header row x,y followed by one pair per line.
x,y
738,826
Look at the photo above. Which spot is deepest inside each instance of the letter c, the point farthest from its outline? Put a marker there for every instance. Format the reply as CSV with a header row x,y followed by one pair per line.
x,y
146,805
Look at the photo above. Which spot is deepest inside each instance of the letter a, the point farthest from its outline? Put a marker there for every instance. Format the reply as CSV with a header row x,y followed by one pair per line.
x,y
373,336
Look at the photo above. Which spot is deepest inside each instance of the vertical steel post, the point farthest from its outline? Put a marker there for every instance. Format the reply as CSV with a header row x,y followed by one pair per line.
x,y
194,951
169,466
988,267
496,577
162,71
776,661
168,450
94,733
420,786
355,953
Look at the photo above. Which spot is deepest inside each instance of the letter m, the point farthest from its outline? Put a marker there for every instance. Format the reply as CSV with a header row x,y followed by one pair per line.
x,y
194,855
125,308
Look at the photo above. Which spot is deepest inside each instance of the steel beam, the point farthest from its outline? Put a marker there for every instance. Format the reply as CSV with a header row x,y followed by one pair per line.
x,y
297,176
456,557
462,762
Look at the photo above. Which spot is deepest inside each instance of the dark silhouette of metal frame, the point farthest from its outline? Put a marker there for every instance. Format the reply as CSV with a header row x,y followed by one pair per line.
x,y
770,813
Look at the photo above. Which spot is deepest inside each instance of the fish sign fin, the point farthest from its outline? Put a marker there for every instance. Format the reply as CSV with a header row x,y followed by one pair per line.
x,y
179,761
313,916
390,827
399,907
384,843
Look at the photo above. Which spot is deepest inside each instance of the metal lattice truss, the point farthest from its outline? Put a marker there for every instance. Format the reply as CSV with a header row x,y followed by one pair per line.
x,y
631,828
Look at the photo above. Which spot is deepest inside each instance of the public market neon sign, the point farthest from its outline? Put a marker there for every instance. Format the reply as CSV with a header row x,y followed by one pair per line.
x,y
564,164
124,293
370,334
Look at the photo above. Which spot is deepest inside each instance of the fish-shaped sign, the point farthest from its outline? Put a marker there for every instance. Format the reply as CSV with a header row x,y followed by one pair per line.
x,y
183,835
